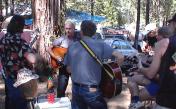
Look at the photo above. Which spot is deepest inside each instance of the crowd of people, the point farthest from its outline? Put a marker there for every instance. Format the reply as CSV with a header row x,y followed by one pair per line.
x,y
18,60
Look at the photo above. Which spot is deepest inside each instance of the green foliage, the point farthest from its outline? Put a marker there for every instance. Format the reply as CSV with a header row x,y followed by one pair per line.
x,y
119,12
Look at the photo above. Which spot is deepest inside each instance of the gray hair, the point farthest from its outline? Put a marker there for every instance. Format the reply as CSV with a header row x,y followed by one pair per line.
x,y
70,23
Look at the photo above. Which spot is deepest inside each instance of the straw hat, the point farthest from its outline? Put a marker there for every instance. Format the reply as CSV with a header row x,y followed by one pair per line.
x,y
24,75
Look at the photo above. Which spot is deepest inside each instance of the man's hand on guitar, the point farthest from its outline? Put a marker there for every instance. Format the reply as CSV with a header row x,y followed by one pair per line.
x,y
59,59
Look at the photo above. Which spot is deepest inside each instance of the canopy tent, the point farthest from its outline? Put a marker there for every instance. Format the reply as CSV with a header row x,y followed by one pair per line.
x,y
79,16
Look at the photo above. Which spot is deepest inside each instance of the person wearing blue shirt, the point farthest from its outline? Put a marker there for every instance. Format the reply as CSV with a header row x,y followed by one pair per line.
x,y
85,71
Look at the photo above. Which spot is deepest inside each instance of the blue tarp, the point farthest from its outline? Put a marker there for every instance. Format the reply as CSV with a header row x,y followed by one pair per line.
x,y
79,16
28,21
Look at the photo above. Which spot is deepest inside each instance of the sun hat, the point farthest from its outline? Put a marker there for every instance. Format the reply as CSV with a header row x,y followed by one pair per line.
x,y
24,75
148,28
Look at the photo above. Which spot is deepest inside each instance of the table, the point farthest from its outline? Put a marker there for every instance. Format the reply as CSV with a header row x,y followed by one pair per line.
x,y
60,103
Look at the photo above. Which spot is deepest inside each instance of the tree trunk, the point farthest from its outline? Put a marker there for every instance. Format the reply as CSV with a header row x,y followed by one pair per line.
x,y
158,12
137,24
12,7
1,7
45,14
92,9
147,11
6,6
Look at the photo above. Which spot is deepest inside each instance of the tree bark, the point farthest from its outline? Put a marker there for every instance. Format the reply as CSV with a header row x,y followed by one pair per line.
x,y
137,24
12,7
1,7
45,14
6,6
147,11
92,9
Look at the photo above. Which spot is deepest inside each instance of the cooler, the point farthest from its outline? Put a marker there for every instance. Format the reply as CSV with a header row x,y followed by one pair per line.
x,y
60,103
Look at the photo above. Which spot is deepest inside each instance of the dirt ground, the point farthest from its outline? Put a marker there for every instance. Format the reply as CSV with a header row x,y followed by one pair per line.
x,y
119,102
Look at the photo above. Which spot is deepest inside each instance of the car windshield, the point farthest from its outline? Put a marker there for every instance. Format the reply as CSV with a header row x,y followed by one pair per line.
x,y
115,36
120,45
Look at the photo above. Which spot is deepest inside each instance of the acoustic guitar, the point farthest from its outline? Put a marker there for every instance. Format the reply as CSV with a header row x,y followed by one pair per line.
x,y
58,51
112,86
108,86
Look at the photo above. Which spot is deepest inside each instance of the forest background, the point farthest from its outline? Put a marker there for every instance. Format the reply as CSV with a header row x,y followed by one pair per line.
x,y
49,15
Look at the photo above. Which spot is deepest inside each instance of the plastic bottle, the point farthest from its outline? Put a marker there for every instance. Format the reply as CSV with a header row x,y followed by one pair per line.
x,y
50,94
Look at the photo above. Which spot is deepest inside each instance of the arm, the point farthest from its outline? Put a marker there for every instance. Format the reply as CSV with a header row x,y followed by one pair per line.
x,y
56,43
31,58
53,55
173,67
160,49
119,56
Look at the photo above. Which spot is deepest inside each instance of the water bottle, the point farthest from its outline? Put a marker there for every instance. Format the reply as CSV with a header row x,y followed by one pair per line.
x,y
50,94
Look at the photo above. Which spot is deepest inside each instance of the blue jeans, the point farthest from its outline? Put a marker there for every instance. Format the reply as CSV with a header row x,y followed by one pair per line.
x,y
82,98
62,82
14,97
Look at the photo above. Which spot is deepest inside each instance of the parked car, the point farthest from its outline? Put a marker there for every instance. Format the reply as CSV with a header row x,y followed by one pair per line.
x,y
98,36
126,49
115,36
122,46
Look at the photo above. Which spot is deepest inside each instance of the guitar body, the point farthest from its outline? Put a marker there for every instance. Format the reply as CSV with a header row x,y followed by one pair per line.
x,y
58,51
108,87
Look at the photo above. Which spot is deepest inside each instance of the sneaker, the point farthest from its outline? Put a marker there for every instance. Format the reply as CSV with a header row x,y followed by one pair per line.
x,y
137,105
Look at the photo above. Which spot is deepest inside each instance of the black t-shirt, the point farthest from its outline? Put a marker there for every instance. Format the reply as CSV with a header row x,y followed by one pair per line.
x,y
167,93
151,40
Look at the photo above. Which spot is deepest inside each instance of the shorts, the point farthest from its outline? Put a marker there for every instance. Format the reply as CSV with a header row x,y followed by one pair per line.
x,y
152,88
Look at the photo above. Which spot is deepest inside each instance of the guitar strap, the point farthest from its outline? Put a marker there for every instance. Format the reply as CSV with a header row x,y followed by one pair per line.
x,y
35,33
89,50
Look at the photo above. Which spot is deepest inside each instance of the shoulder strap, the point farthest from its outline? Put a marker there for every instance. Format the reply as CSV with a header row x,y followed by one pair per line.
x,y
89,50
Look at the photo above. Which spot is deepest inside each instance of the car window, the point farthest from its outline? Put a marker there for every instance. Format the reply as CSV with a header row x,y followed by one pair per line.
x,y
125,45
108,36
121,45
115,36
116,45
120,37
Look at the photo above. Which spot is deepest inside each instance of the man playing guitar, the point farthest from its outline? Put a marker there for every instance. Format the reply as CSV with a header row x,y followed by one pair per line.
x,y
60,45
